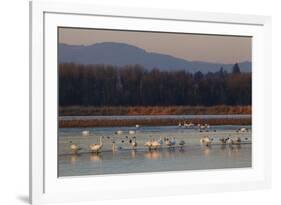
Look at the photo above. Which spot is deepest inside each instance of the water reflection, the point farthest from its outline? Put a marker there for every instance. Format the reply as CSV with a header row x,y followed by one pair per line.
x,y
95,157
133,153
153,154
207,150
73,158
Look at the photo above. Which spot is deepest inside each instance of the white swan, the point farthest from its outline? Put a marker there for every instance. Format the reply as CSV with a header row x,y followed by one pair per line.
x,y
155,144
85,132
243,129
131,132
207,141
96,147
74,148
237,141
119,132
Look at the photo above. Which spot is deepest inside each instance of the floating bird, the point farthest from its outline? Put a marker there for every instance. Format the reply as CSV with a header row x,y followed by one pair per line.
x,y
96,147
134,143
119,132
160,141
168,142
237,141
223,140
137,126
148,144
243,129
74,148
182,143
174,142
155,144
85,132
131,132
207,141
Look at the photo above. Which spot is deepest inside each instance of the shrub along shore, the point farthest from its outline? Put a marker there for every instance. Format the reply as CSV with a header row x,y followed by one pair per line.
x,y
149,122
154,110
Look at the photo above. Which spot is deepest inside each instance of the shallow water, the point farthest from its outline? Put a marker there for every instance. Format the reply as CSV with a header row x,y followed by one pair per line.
x,y
193,157
142,134
125,160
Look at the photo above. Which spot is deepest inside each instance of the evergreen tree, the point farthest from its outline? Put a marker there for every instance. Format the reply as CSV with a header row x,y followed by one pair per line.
x,y
236,69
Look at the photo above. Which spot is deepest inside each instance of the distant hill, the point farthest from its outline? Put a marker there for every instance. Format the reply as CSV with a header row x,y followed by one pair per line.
x,y
123,54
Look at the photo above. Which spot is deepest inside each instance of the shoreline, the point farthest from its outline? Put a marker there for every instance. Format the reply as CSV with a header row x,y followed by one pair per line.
x,y
150,122
154,110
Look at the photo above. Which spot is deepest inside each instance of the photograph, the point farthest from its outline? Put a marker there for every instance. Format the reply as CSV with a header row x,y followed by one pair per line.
x,y
134,101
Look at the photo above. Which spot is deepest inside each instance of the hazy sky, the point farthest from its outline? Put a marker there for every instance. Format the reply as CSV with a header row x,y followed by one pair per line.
x,y
209,48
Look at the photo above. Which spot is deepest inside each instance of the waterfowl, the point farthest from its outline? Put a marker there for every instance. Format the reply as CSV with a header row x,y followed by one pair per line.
x,y
223,140
160,141
134,143
155,144
181,143
148,143
96,147
74,148
237,141
207,141
119,132
174,142
85,132
131,132
168,142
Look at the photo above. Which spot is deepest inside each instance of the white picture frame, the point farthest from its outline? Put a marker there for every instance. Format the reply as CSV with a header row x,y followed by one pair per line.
x,y
46,187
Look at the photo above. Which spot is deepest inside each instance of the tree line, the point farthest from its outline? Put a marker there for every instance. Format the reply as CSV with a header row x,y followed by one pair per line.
x,y
133,85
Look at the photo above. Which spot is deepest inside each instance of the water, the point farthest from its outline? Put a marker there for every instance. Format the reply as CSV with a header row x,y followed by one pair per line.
x,y
192,156
130,161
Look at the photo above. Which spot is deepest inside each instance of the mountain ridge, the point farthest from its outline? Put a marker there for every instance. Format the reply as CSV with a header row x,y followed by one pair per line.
x,y
121,54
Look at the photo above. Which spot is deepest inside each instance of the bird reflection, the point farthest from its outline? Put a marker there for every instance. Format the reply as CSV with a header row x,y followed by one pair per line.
x,y
153,154
95,157
73,158
133,153
207,151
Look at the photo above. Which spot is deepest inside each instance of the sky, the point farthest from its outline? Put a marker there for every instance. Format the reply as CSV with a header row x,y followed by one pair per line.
x,y
192,47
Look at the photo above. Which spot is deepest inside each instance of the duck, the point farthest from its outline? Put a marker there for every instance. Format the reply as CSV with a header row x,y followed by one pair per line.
x,y
96,147
181,143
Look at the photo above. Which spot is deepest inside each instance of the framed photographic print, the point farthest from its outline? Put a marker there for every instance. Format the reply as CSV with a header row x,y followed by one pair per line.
x,y
129,102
